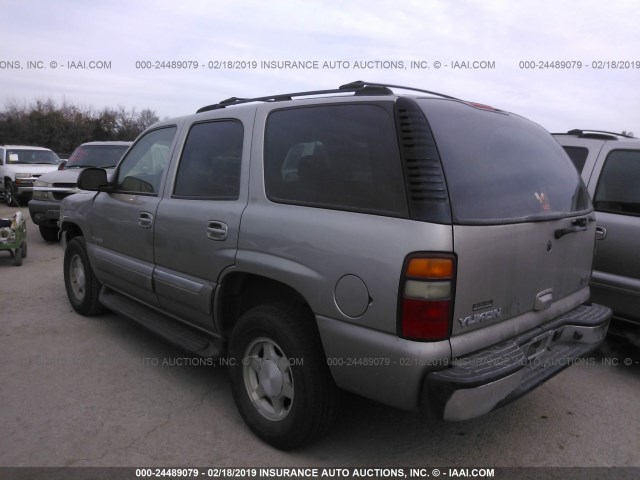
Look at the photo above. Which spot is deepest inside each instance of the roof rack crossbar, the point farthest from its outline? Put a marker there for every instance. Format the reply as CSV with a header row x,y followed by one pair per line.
x,y
358,87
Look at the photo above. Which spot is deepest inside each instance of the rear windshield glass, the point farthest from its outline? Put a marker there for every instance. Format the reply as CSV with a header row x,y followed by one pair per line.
x,y
502,168
102,156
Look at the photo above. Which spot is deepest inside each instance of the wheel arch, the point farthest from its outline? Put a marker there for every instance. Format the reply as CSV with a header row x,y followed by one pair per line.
x,y
69,231
239,292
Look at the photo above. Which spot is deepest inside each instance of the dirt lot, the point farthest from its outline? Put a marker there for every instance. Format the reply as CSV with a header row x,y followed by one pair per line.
x,y
102,391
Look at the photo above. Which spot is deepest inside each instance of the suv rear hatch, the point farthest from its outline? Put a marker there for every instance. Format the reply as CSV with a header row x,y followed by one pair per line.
x,y
522,221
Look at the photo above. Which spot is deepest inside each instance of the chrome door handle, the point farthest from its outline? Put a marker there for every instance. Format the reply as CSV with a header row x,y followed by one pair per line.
x,y
145,220
601,233
217,231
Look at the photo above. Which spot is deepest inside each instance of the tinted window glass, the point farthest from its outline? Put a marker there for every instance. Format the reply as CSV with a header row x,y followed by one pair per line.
x,y
141,170
211,160
578,156
619,185
102,156
344,157
501,168
44,157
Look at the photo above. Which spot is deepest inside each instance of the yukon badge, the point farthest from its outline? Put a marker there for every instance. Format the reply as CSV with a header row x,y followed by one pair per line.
x,y
477,318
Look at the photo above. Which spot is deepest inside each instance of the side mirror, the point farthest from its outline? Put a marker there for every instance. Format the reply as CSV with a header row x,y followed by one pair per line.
x,y
93,179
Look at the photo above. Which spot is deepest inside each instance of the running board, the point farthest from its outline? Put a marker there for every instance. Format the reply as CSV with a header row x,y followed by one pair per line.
x,y
175,332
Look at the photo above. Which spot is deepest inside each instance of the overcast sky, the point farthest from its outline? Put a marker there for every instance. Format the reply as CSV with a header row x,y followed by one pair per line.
x,y
504,33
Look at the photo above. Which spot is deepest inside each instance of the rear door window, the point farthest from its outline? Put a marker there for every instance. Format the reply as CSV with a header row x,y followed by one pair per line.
x,y
502,168
344,157
618,189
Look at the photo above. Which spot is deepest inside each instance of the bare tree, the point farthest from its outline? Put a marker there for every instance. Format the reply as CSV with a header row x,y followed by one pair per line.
x,y
147,118
64,127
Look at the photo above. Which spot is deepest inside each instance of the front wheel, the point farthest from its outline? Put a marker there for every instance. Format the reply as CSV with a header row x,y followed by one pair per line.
x,y
279,376
9,194
82,286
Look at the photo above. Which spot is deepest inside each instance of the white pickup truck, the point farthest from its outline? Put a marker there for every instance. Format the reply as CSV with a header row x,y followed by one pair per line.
x,y
20,166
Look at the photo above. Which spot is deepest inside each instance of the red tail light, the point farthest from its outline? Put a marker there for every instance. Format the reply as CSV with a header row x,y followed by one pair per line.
x,y
426,297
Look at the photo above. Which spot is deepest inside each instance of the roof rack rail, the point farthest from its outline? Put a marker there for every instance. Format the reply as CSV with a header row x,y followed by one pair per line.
x,y
598,134
358,87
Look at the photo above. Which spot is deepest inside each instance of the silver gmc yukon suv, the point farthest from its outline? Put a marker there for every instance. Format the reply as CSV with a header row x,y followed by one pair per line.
x,y
416,249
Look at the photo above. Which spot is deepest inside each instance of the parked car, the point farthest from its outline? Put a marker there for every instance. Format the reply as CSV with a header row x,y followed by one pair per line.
x,y
610,167
50,189
425,252
20,166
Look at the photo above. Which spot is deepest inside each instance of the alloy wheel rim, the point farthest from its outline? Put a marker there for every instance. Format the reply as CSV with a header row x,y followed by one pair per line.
x,y
268,379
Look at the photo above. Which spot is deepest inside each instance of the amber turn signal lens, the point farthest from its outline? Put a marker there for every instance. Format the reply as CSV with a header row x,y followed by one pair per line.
x,y
430,268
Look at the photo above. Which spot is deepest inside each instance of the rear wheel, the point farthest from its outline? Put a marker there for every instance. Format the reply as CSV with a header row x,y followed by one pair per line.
x,y
82,286
49,234
279,376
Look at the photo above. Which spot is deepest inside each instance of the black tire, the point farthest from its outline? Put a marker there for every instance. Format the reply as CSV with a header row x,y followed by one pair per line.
x,y
82,286
305,406
49,234
9,194
24,249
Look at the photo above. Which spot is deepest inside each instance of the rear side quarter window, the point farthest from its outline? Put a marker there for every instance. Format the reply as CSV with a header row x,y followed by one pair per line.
x,y
342,157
